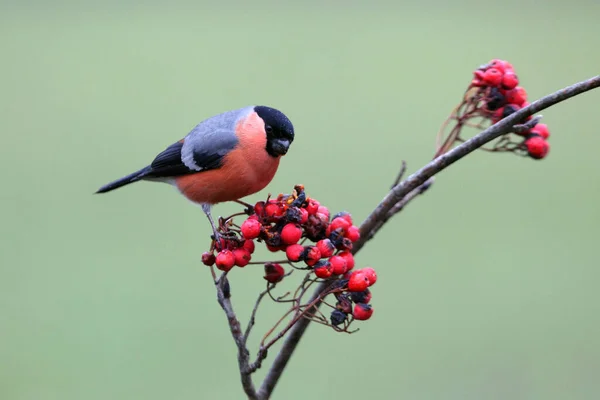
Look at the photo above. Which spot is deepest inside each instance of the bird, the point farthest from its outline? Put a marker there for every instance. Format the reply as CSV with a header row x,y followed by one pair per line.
x,y
224,158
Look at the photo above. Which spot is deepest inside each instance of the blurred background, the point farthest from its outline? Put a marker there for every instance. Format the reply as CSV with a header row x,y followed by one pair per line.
x,y
487,284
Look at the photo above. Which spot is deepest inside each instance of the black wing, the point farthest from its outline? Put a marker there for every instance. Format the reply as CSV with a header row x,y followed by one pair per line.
x,y
202,150
169,163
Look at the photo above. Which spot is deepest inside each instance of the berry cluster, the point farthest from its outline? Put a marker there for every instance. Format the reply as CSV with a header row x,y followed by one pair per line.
x,y
302,228
355,289
494,94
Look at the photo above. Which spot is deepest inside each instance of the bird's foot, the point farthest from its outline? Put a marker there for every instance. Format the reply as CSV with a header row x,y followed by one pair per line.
x,y
219,238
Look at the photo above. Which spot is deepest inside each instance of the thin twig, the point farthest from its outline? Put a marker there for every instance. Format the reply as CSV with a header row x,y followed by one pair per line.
x,y
371,225
254,310
400,175
399,206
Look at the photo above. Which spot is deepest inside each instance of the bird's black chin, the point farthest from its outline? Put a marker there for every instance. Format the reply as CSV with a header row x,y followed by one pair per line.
x,y
278,147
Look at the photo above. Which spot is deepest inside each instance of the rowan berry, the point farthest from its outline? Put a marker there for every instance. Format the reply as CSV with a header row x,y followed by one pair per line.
x,y
208,258
249,246
338,265
361,297
516,96
337,317
323,269
537,147
492,77
542,130
242,257
349,259
274,272
294,252
225,260
312,206
353,233
371,275
358,282
291,233
509,80
326,248
362,312
251,229
311,255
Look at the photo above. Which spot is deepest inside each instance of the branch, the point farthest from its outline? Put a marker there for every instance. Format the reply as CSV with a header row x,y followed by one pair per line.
x,y
224,299
401,193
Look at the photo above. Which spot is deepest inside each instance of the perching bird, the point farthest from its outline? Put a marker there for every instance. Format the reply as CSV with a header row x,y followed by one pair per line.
x,y
224,158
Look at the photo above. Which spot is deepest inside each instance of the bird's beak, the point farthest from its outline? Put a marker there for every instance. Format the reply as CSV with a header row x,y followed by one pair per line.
x,y
280,146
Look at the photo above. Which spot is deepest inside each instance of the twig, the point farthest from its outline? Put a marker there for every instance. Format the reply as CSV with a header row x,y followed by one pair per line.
x,y
400,175
399,192
399,206
524,128
253,315
223,297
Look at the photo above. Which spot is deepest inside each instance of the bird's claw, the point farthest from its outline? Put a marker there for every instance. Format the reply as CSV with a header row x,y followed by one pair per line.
x,y
227,235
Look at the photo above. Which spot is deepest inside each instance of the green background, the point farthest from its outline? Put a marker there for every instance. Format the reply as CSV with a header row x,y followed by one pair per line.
x,y
487,284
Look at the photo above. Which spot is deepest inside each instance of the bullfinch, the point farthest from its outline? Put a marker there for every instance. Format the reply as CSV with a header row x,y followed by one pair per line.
x,y
224,158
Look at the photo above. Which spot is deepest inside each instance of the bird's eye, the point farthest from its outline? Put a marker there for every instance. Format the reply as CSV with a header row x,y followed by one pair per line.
x,y
269,129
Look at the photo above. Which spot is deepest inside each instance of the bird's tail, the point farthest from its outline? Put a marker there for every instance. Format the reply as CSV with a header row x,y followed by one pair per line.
x,y
126,180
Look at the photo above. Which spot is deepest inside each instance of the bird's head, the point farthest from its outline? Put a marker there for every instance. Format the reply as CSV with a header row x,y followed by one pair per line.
x,y
278,128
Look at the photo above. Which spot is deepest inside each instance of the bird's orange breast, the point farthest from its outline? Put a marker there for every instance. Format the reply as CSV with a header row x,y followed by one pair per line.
x,y
245,170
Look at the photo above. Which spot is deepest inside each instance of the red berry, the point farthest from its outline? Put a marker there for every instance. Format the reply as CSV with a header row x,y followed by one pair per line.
x,y
322,218
273,210
542,130
353,233
492,77
358,282
294,252
516,96
362,312
338,265
323,210
344,214
291,233
312,206
274,272
251,229
339,223
311,255
323,269
303,216
254,217
509,80
242,257
259,209
371,275
537,147
501,65
478,74
249,246
326,248
349,259
208,258
225,260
